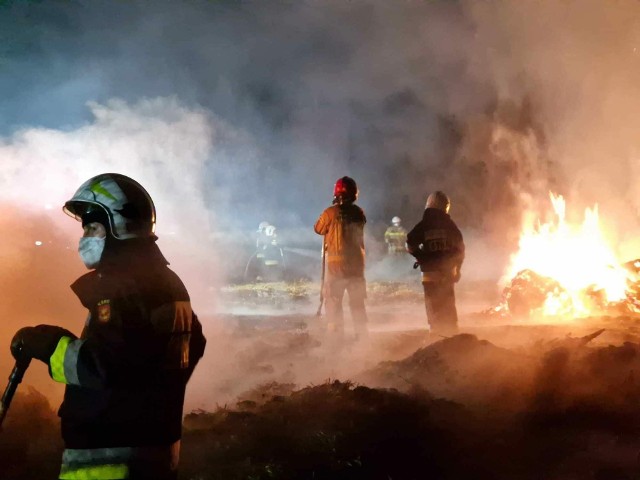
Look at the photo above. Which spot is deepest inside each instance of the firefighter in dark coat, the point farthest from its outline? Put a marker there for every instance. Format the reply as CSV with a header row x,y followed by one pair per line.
x,y
342,225
126,374
437,245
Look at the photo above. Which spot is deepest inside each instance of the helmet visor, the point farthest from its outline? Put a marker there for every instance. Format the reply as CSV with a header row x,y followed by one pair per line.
x,y
78,209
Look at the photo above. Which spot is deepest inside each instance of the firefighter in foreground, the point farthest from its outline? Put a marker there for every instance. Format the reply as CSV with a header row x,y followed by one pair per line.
x,y
342,225
437,245
395,237
126,375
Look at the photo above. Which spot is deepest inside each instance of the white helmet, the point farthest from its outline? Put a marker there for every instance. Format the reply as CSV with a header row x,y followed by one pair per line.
x,y
439,200
262,226
128,206
395,221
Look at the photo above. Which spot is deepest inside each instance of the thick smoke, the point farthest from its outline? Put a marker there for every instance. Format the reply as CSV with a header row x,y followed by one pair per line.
x,y
405,98
231,113
159,142
323,90
578,63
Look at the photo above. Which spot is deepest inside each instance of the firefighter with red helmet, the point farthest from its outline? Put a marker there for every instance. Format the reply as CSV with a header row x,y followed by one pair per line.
x,y
342,226
437,245
126,374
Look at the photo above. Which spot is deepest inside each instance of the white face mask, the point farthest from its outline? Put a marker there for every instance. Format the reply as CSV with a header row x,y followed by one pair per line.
x,y
90,250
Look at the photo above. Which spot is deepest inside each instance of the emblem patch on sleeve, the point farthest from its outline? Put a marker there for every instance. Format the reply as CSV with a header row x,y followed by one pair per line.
x,y
104,311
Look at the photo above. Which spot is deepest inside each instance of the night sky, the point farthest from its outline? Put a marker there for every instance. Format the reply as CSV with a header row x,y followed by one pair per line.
x,y
264,104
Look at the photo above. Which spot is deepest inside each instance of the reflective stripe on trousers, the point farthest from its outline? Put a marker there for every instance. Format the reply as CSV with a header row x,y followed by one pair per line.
x,y
120,463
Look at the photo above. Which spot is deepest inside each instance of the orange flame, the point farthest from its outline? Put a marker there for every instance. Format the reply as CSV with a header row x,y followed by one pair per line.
x,y
577,256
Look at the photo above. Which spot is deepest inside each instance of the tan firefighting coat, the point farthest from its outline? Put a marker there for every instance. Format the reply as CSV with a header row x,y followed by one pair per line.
x,y
343,228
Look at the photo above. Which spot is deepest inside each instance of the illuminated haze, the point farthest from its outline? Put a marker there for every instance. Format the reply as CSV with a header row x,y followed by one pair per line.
x,y
231,113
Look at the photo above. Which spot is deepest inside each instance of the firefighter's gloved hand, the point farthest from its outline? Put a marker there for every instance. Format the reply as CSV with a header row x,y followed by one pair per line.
x,y
37,342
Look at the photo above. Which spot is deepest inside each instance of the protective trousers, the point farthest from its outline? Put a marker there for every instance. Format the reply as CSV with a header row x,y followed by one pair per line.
x,y
334,288
440,302
121,463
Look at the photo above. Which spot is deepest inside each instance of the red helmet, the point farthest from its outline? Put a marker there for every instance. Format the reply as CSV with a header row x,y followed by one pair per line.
x,y
345,190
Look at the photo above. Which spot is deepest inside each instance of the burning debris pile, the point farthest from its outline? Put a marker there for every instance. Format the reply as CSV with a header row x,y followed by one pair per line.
x,y
533,296
527,293
564,271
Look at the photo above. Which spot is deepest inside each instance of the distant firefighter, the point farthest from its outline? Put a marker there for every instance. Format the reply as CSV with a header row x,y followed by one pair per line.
x,y
395,237
342,225
267,263
261,236
437,245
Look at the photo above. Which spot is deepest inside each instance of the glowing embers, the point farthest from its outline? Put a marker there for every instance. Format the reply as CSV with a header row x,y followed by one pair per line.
x,y
566,271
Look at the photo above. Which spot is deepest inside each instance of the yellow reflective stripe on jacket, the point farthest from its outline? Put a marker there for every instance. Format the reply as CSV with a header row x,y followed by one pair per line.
x,y
56,361
95,472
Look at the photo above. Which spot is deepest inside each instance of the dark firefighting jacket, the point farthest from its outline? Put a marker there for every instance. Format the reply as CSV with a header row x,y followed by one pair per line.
x,y
437,245
126,375
343,229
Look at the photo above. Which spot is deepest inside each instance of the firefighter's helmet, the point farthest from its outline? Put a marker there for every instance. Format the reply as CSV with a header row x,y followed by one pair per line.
x,y
262,226
127,204
439,200
395,221
345,190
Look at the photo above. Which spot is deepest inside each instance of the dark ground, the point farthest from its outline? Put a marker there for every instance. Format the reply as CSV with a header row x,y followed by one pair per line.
x,y
496,402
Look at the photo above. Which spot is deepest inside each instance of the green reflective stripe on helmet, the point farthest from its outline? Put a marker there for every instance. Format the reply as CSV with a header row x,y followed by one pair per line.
x,y
98,188
128,205
56,361
95,472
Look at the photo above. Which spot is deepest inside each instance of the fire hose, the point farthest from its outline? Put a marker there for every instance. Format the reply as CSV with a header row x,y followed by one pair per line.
x,y
324,260
14,380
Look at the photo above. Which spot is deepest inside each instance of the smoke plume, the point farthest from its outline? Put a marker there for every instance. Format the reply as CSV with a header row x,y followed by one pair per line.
x,y
231,113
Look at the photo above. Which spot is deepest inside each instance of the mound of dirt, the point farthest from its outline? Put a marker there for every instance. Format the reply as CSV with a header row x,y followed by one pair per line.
x,y
468,409
30,443
463,369
563,410
335,431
